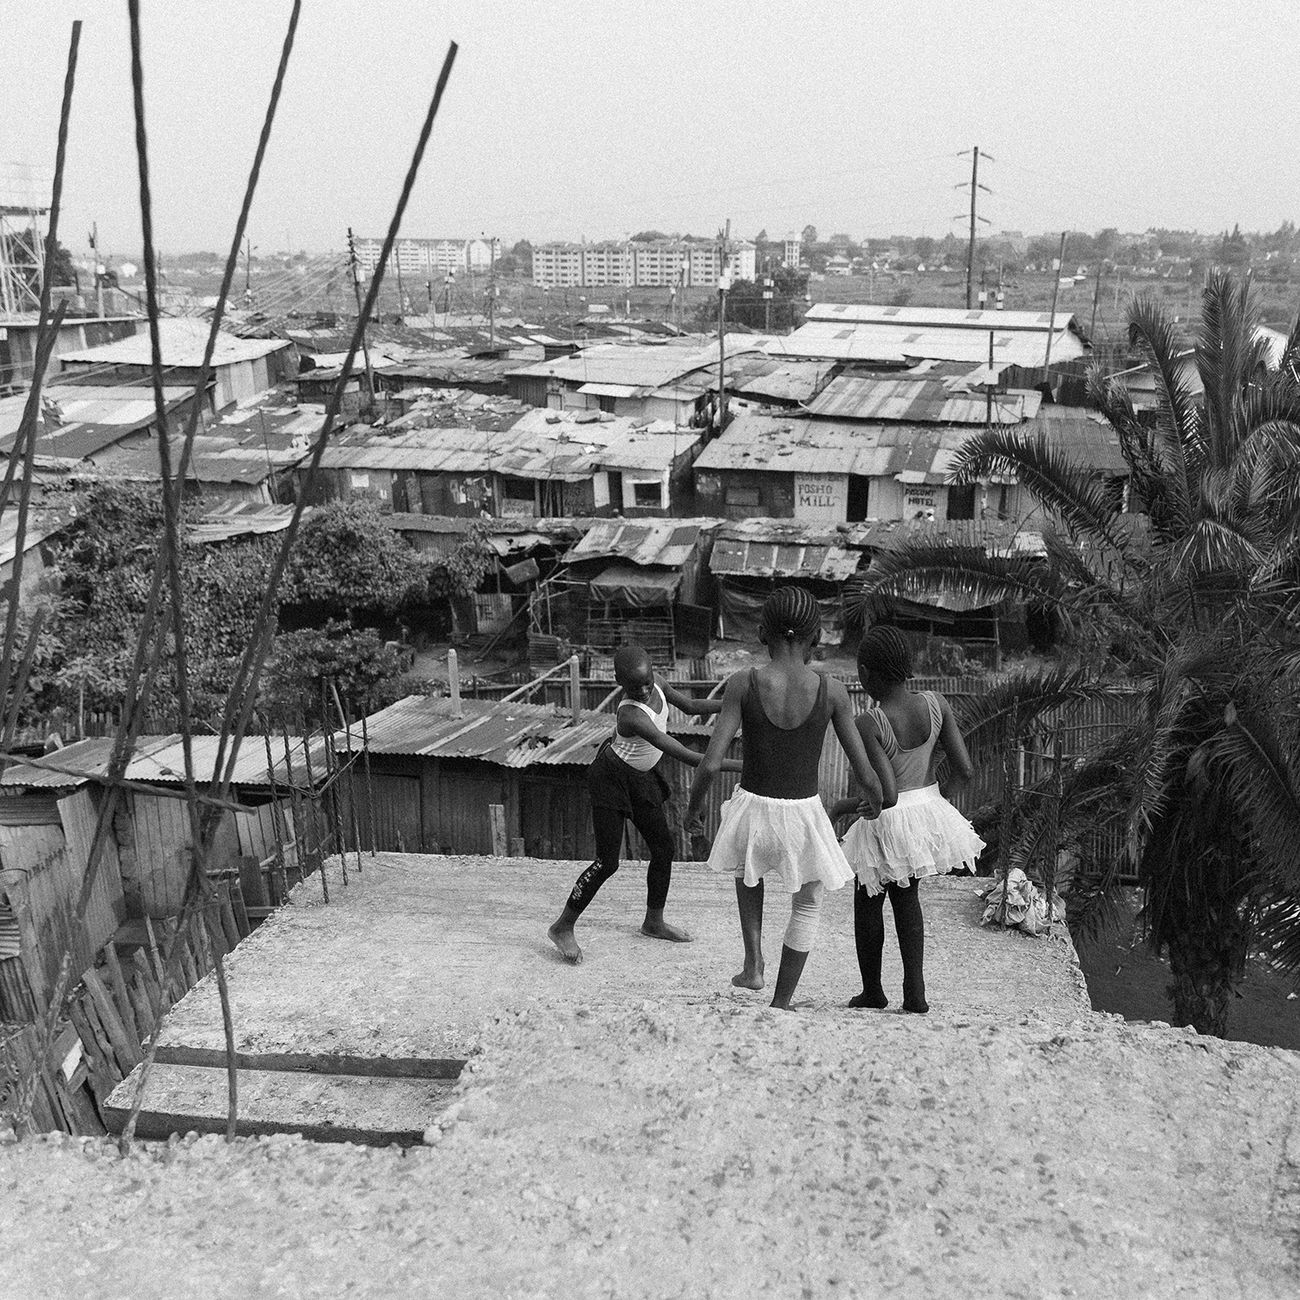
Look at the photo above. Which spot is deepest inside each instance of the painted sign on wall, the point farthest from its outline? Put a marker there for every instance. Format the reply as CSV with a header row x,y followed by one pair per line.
x,y
821,497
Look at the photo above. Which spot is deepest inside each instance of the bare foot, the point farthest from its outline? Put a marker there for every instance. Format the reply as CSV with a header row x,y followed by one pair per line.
x,y
783,1006
749,979
662,930
562,937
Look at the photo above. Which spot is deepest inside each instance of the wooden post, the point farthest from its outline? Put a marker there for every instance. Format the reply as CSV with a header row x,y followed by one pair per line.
x,y
575,687
453,681
1051,326
497,814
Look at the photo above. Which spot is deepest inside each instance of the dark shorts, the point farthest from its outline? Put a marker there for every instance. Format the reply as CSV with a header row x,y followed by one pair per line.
x,y
615,785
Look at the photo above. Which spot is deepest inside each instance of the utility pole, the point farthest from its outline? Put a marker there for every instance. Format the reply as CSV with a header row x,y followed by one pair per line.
x,y
492,293
1096,293
975,187
248,268
356,291
1056,289
767,296
724,282
397,258
99,269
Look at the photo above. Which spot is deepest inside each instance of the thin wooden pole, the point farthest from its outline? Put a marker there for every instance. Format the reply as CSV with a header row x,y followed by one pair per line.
x,y
575,687
305,736
370,789
1056,289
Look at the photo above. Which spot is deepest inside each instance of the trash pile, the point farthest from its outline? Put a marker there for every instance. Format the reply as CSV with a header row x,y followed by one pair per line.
x,y
1017,903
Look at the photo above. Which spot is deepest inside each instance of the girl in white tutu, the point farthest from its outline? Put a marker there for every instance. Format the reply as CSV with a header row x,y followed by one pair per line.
x,y
774,826
922,834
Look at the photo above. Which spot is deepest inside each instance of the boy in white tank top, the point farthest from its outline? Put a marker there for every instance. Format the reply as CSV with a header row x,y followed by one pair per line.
x,y
626,785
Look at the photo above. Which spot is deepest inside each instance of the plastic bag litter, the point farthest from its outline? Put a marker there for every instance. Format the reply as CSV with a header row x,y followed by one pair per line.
x,y
1026,907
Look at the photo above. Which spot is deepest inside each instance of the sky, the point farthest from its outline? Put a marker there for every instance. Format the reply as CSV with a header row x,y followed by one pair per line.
x,y
598,118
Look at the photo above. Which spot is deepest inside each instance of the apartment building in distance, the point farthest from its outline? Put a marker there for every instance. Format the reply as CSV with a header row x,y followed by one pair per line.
x,y
660,262
426,257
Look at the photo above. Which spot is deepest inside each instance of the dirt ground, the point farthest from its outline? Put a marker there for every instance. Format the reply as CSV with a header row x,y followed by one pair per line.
x,y
627,1129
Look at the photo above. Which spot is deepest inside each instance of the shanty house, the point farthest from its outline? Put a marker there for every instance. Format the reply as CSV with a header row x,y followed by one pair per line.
x,y
644,582
751,557
241,368
544,464
901,336
640,380
443,775
840,471
47,823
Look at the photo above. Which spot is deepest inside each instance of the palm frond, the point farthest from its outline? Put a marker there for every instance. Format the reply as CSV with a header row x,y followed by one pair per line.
x,y
1059,484
1230,354
1009,707
1178,411
925,568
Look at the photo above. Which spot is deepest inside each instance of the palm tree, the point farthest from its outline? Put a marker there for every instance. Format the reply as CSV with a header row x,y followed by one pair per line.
x,y
1190,605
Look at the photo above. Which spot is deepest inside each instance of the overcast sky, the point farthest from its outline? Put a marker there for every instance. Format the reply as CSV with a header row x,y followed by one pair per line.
x,y
597,118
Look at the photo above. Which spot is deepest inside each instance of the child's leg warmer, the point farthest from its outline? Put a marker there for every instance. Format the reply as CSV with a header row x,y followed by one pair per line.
x,y
805,912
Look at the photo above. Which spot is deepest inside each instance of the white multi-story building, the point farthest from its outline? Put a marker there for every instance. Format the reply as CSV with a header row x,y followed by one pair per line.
x,y
426,257
607,263
661,263
557,265
792,249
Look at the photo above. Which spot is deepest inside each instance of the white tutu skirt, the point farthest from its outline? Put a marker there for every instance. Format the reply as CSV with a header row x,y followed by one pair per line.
x,y
790,839
921,835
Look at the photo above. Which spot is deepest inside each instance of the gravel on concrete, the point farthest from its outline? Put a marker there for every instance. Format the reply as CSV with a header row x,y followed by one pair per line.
x,y
704,1145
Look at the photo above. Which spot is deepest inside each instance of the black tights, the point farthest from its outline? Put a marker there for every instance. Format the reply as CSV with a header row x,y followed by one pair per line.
x,y
609,823
869,937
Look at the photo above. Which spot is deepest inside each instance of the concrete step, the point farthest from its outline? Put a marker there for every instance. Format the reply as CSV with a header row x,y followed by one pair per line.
x,y
369,1109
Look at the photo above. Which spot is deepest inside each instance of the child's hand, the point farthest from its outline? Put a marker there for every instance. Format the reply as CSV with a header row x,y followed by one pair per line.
x,y
868,807
697,837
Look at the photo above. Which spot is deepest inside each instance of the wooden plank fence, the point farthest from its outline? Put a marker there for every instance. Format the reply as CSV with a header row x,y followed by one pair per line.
x,y
109,1016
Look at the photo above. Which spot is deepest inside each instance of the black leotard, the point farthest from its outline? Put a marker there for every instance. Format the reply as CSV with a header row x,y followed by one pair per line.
x,y
781,762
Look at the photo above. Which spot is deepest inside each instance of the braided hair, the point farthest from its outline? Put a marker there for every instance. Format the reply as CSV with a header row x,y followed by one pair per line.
x,y
791,614
885,650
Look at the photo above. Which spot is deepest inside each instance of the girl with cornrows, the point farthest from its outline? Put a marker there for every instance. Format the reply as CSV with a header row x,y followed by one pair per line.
x,y
922,834
774,826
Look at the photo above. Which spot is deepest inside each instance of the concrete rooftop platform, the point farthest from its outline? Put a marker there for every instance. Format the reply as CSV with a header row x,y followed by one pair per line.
x,y
408,961
351,1017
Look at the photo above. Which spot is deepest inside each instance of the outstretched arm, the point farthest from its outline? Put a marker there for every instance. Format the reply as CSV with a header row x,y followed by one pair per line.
x,y
724,732
842,720
633,722
950,739
688,703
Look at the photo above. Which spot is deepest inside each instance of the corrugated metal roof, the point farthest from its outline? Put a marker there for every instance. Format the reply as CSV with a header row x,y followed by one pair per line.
x,y
239,519
900,344
159,760
941,317
925,401
792,444
639,364
92,416
668,543
165,764
85,760
613,390
797,444
541,444
734,557
182,341
511,734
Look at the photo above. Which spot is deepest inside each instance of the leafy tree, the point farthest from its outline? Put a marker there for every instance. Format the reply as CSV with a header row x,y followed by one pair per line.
x,y
924,247
649,237
348,559
1233,250
1191,609
522,252
105,559
809,235
304,666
